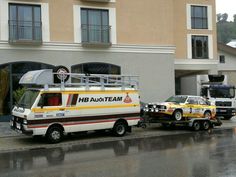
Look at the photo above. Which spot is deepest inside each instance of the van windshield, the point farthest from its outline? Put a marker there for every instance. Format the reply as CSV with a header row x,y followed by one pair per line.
x,y
28,99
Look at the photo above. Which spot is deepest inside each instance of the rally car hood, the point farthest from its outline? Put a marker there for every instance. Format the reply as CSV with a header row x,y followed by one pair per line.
x,y
164,103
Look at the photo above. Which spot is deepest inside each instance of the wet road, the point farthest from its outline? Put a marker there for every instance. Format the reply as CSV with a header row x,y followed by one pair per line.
x,y
196,154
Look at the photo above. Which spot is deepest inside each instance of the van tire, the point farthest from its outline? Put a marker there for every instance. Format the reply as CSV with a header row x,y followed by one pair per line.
x,y
58,70
119,128
54,134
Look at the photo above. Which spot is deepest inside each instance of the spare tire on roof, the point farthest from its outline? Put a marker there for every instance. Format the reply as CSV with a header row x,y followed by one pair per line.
x,y
216,78
60,70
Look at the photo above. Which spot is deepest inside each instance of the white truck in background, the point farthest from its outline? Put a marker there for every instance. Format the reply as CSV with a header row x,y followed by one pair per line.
x,y
215,89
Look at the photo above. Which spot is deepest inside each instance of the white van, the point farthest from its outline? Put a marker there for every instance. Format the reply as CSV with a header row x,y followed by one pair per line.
x,y
90,102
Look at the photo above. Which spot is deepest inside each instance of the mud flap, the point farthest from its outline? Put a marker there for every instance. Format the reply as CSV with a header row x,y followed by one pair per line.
x,y
129,129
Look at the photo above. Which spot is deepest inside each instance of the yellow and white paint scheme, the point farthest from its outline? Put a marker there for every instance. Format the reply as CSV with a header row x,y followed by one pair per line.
x,y
80,109
95,102
189,106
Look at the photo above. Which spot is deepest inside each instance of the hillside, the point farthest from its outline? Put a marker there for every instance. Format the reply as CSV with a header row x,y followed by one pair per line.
x,y
225,30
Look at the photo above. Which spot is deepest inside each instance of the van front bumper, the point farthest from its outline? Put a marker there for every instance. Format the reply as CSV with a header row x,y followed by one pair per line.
x,y
18,125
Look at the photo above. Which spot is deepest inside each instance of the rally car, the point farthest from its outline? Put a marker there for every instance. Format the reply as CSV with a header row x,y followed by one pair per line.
x,y
181,107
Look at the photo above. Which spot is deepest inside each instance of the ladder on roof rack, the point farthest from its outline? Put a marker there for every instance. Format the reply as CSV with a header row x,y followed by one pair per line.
x,y
100,80
46,78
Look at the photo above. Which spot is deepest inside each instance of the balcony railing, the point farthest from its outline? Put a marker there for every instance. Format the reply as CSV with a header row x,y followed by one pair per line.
x,y
25,32
96,35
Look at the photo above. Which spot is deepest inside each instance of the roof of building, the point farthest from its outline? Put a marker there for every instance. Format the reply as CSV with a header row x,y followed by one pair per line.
x,y
226,48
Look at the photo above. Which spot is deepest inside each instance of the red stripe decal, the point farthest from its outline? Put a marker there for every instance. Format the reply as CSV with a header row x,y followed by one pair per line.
x,y
78,123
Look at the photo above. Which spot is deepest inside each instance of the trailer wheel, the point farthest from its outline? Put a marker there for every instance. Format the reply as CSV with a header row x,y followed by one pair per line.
x,y
205,125
120,128
54,134
196,126
177,115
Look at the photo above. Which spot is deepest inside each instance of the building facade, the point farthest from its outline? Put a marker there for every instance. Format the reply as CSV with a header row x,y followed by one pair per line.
x,y
158,40
227,62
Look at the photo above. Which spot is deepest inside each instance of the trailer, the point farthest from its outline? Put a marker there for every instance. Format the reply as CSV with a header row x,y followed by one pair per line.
x,y
185,110
195,124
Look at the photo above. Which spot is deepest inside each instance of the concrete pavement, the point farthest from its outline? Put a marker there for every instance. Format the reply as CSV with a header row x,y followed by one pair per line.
x,y
13,141
6,131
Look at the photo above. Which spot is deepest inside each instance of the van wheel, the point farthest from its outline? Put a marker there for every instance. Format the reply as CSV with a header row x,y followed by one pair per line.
x,y
54,134
205,125
60,70
119,129
177,115
196,126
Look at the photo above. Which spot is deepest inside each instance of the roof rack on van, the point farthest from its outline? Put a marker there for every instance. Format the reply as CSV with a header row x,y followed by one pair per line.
x,y
47,78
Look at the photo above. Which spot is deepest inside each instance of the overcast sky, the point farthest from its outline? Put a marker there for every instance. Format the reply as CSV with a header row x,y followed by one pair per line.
x,y
226,6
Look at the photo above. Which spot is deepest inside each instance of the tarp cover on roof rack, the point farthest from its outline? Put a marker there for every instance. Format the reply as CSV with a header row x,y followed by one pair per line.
x,y
37,77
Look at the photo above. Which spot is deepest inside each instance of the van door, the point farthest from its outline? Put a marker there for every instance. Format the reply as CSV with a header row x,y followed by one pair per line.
x,y
50,104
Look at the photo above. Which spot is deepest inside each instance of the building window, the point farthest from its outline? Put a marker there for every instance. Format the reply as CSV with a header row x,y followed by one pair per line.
x,y
96,68
222,59
25,23
200,47
95,26
199,19
10,75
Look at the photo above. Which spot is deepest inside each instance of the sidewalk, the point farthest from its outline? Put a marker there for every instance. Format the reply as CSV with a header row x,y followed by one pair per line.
x,y
6,131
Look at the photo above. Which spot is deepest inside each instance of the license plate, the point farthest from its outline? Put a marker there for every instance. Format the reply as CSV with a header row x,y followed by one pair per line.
x,y
18,126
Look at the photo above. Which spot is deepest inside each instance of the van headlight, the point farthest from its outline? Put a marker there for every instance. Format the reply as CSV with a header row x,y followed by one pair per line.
x,y
25,121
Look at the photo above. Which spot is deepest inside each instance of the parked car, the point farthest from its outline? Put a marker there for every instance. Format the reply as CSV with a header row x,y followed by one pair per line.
x,y
181,107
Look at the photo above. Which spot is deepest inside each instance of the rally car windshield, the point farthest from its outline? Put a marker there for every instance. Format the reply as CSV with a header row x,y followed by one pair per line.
x,y
222,92
177,99
28,99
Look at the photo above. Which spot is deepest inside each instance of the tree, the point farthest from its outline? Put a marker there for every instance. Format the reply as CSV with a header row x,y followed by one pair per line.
x,y
226,30
219,17
224,17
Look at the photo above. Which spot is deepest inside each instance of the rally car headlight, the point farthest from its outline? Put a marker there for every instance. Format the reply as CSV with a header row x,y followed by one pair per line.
x,y
154,106
152,110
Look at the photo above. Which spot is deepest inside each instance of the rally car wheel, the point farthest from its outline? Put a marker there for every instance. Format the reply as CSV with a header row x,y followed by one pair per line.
x,y
177,115
207,114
